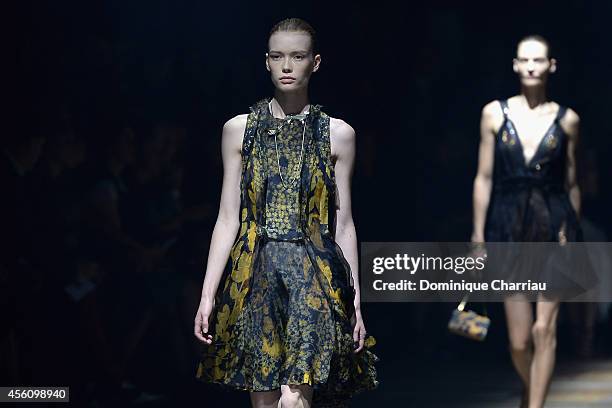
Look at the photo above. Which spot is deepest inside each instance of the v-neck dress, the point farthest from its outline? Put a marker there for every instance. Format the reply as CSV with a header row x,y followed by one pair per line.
x,y
530,203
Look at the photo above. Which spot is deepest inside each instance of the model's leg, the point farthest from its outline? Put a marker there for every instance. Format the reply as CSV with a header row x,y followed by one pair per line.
x,y
545,341
519,316
296,396
265,399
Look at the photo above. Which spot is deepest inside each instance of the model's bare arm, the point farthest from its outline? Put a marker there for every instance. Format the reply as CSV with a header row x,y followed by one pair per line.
x,y
571,125
483,181
343,144
228,221
343,150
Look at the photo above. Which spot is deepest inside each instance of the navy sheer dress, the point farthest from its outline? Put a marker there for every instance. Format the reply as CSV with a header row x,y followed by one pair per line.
x,y
530,203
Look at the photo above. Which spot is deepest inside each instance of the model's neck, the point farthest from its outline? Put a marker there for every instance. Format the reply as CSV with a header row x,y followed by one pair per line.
x,y
534,96
289,104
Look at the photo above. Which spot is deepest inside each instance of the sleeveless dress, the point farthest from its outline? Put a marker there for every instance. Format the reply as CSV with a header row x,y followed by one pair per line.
x,y
282,312
529,203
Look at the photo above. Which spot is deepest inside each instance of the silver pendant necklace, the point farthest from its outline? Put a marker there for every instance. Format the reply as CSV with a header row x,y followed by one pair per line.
x,y
301,119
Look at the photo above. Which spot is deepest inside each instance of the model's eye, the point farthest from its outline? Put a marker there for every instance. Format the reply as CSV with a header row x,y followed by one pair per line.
x,y
299,57
275,57
540,60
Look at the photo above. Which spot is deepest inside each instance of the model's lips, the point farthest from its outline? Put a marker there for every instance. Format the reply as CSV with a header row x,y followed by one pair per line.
x,y
287,80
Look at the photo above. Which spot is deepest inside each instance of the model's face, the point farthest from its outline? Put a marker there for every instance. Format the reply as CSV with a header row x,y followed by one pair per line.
x,y
290,60
532,63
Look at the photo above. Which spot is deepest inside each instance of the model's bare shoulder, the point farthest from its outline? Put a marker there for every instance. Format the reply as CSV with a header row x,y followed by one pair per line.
x,y
492,110
570,122
233,131
342,138
492,115
571,117
236,124
341,131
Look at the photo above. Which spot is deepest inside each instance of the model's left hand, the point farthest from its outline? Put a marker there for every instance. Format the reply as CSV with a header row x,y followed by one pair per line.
x,y
561,236
359,331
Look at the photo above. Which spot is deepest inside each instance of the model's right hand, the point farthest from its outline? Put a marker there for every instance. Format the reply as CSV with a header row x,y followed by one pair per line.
x,y
201,320
478,249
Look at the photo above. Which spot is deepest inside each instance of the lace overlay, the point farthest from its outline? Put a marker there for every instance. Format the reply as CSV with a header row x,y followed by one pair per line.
x,y
282,212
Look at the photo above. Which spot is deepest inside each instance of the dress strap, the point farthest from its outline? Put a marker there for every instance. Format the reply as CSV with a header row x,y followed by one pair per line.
x,y
504,107
560,113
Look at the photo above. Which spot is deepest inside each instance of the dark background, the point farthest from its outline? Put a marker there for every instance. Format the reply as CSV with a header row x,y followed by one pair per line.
x,y
411,79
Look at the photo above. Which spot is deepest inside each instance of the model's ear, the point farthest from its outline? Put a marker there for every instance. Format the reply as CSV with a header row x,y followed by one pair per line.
x,y
267,64
317,63
553,66
515,65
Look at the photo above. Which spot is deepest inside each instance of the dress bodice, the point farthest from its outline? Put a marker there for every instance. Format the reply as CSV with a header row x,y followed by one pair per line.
x,y
529,200
285,146
302,203
546,168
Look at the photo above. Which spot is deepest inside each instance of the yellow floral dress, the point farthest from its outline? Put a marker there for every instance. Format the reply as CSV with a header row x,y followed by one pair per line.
x,y
282,312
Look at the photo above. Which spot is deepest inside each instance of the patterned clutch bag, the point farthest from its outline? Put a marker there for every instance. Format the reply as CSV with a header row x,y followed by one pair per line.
x,y
469,323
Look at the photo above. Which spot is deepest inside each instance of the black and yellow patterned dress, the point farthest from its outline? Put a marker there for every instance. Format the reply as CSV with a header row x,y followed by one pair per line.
x,y
283,309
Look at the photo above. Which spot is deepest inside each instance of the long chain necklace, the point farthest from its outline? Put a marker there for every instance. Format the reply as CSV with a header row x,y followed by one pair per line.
x,y
276,148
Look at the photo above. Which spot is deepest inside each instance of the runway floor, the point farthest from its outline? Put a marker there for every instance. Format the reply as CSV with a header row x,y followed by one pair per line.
x,y
491,385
